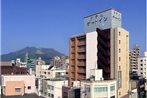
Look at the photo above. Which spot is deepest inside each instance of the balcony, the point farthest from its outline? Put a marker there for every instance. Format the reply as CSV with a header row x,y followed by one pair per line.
x,y
72,75
72,50
81,57
81,43
72,43
81,77
72,56
81,70
81,50
81,64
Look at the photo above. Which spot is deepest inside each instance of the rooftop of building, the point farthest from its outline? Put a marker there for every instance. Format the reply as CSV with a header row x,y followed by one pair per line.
x,y
78,35
57,79
102,12
5,63
14,75
98,81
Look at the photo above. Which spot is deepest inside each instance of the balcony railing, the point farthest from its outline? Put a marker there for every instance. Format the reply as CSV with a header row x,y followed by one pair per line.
x,y
81,77
81,64
81,57
81,70
81,43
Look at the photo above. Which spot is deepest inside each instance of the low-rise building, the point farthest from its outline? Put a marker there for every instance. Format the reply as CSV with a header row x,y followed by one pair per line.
x,y
46,71
71,92
18,84
95,86
52,88
103,89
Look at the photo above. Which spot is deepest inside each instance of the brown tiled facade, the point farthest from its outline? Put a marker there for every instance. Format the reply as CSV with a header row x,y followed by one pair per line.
x,y
77,69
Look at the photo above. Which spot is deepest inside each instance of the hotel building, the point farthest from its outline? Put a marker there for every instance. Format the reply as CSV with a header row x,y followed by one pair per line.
x,y
104,45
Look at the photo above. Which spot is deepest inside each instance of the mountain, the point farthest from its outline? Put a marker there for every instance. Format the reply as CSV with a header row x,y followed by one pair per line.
x,y
33,53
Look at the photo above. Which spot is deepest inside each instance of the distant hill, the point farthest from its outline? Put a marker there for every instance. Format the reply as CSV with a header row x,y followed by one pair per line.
x,y
33,53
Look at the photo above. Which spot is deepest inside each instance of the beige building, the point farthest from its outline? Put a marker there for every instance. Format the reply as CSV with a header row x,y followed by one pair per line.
x,y
120,60
13,85
106,49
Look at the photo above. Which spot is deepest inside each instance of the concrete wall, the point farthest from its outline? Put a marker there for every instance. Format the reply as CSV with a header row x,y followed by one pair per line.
x,y
9,89
91,52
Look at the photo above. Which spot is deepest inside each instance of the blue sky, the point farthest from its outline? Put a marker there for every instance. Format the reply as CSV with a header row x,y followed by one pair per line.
x,y
50,23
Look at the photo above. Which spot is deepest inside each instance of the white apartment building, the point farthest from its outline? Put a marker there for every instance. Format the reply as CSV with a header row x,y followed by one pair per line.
x,y
39,68
52,88
46,71
96,87
142,66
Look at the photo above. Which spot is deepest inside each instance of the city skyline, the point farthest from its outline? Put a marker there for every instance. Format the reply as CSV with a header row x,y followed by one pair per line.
x,y
35,23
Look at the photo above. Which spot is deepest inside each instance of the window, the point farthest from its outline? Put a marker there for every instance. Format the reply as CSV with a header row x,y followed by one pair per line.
x,y
29,87
119,59
141,64
119,34
113,97
49,94
119,41
52,96
141,73
140,60
141,69
100,89
119,79
17,90
87,87
119,67
119,93
119,50
112,88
